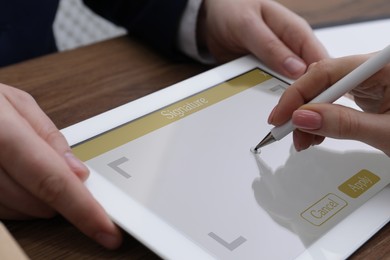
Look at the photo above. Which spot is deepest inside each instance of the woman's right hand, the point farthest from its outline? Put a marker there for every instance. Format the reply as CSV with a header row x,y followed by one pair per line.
x,y
314,122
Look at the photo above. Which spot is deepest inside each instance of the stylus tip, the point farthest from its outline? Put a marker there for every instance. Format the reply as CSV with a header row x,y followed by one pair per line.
x,y
255,151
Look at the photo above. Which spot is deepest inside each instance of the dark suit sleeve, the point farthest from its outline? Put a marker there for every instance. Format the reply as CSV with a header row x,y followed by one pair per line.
x,y
26,29
153,21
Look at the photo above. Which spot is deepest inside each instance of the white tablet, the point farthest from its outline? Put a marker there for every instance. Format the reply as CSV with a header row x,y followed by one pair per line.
x,y
175,170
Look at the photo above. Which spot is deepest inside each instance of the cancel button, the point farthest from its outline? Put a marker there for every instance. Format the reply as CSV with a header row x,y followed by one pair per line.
x,y
324,209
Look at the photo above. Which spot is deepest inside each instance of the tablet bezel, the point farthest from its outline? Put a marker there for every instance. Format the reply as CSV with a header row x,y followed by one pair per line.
x,y
160,236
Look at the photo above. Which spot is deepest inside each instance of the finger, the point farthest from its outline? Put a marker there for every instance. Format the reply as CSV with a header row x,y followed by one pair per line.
x,y
318,139
43,126
345,123
16,198
260,40
319,77
294,32
287,45
32,163
302,140
373,94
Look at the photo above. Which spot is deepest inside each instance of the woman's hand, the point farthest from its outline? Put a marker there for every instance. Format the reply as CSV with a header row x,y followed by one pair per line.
x,y
316,121
39,176
277,36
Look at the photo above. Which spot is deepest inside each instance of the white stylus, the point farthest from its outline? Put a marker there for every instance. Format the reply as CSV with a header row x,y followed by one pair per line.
x,y
337,90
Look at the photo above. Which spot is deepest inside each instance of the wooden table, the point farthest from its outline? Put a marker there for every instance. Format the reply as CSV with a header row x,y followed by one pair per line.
x,y
75,85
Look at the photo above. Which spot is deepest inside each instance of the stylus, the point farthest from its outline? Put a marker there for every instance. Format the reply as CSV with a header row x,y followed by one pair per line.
x,y
334,92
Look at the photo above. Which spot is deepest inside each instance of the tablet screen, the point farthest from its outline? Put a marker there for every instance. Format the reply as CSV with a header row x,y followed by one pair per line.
x,y
190,164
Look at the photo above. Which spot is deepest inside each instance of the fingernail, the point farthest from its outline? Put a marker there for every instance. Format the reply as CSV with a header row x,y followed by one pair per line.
x,y
297,145
271,115
307,119
76,165
294,66
107,240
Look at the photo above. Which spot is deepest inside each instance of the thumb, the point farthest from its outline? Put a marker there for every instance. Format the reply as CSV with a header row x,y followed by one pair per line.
x,y
341,122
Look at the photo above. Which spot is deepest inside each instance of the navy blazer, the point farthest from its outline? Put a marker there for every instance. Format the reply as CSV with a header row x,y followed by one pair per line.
x,y
153,21
26,27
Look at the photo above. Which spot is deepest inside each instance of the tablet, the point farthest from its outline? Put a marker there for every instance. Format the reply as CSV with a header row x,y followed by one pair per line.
x,y
175,170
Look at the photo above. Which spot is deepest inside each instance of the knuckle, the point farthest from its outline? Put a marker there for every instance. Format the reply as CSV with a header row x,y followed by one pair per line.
x,y
12,93
322,72
8,132
24,97
297,32
312,66
272,45
245,21
235,31
320,66
51,188
348,124
51,134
